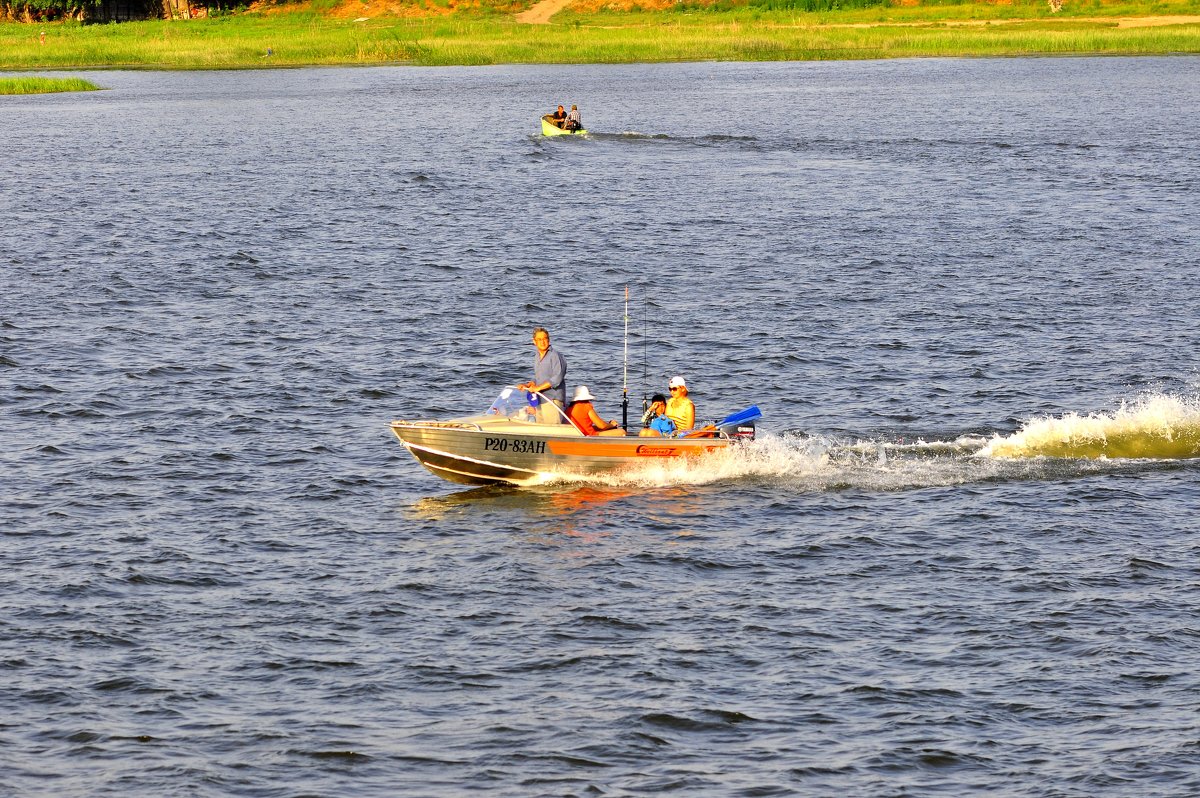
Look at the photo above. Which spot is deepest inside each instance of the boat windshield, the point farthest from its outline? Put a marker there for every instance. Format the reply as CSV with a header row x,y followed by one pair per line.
x,y
516,404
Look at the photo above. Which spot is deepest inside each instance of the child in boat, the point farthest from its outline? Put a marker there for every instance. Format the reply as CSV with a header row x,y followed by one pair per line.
x,y
655,421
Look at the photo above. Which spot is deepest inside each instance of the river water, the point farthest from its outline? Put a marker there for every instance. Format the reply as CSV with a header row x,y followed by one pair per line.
x,y
220,575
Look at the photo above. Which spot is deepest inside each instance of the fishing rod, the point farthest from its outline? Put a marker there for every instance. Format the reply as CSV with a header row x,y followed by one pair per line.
x,y
646,346
645,355
625,369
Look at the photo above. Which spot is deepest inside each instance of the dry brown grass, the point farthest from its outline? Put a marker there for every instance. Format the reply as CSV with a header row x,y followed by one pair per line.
x,y
371,9
598,6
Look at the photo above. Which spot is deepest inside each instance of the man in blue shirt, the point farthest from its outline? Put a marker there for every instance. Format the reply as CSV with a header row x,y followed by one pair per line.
x,y
549,379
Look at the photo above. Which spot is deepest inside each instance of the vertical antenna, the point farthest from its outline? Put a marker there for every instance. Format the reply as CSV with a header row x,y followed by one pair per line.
x,y
625,369
645,343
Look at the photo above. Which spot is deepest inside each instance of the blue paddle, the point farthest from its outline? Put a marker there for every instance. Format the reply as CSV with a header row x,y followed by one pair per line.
x,y
751,413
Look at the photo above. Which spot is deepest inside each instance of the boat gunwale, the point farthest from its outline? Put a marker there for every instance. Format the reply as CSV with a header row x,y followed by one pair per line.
x,y
491,425
552,431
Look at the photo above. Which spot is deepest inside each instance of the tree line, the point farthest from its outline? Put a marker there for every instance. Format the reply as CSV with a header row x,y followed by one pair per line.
x,y
111,10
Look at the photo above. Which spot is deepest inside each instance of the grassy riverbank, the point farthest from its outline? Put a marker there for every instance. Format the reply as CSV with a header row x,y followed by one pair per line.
x,y
302,36
44,85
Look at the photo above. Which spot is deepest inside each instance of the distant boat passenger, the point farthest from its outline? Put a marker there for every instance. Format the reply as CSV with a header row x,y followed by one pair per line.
x,y
557,118
574,122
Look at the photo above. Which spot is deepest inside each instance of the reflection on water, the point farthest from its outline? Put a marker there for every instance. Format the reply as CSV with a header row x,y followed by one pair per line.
x,y
569,509
554,501
436,508
532,500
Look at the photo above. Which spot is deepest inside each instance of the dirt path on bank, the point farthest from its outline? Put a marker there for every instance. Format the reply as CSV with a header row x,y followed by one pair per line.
x,y
541,12
1147,22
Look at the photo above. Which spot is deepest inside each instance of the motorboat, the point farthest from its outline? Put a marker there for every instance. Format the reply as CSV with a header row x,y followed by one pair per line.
x,y
551,129
504,444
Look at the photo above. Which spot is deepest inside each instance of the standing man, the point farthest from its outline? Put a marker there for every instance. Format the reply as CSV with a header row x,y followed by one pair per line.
x,y
549,379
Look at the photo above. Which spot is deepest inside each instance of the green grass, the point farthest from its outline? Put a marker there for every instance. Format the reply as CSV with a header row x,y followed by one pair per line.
x,y
44,85
733,32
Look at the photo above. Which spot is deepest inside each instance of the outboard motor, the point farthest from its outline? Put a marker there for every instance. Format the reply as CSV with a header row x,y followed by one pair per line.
x,y
740,432
740,426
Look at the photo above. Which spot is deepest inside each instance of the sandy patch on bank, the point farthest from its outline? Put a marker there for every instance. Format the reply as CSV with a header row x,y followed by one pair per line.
x,y
541,12
1147,22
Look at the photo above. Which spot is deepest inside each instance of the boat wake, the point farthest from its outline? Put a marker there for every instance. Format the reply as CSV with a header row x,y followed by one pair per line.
x,y
1152,428
1155,426
808,463
708,140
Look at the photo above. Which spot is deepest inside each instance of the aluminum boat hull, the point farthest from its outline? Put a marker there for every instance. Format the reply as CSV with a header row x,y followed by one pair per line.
x,y
482,450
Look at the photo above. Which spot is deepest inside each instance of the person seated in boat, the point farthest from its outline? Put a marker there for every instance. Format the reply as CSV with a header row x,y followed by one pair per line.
x,y
583,415
679,408
574,121
557,118
655,420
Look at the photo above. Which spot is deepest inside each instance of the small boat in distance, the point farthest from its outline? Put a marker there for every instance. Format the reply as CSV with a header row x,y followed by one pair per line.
x,y
551,129
504,445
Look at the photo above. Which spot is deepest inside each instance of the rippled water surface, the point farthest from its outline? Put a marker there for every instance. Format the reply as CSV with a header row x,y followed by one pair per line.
x,y
220,575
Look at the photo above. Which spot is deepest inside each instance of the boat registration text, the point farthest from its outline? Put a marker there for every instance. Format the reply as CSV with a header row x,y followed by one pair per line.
x,y
517,445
